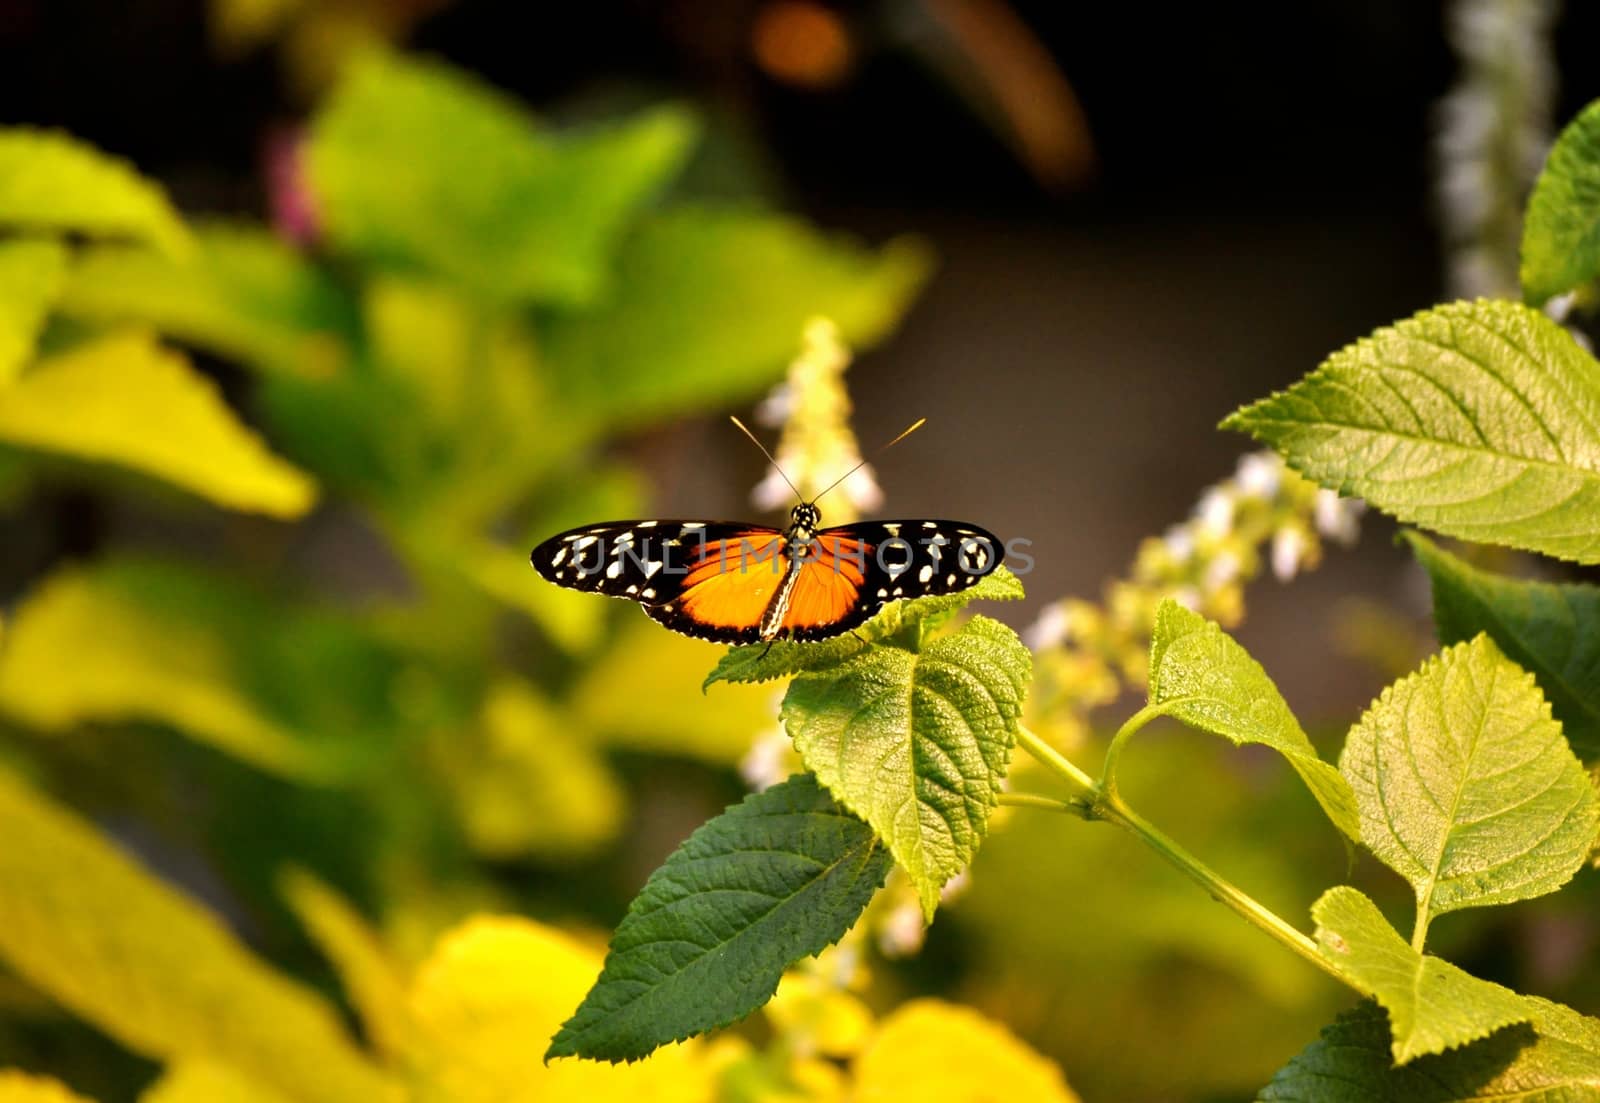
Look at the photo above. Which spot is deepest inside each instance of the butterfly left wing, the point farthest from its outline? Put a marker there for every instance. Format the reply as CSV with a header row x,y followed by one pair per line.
x,y
650,562
855,570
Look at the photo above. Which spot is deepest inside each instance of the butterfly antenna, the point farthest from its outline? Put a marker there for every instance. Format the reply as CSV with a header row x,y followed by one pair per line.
x,y
764,452
912,428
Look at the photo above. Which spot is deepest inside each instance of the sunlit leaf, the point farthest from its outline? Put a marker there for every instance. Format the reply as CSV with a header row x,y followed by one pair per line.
x,y
100,935
49,181
774,879
572,620
1467,787
1555,1060
372,981
1432,1005
708,307
416,165
760,663
645,696
203,1081
1201,676
1551,630
493,990
1479,420
528,784
243,294
81,649
31,274
1561,231
936,1052
124,400
917,742
17,1086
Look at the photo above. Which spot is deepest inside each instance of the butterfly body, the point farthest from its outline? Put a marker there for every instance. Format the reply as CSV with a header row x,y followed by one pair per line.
x,y
731,582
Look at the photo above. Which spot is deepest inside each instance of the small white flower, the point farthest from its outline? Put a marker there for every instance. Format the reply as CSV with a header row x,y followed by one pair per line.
x,y
772,492
1259,475
1288,552
775,409
1219,572
766,762
861,488
1215,512
1188,597
1336,517
1050,630
1180,543
902,931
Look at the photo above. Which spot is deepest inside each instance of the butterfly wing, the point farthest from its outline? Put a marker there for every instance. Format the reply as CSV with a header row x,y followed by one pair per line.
x,y
710,579
858,569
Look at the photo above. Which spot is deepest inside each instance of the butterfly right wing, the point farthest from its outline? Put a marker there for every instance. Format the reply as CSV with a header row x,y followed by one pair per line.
x,y
711,580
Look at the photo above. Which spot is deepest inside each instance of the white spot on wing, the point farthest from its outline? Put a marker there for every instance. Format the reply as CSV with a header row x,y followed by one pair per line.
x,y
584,542
647,593
950,579
614,570
924,575
559,557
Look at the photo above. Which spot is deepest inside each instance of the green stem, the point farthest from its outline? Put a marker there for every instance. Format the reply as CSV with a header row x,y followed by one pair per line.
x,y
1104,804
1055,804
1108,769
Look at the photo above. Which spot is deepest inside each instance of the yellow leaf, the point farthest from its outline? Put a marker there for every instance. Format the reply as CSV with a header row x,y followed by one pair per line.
x,y
937,1052
372,979
527,785
79,651
490,997
50,181
125,400
85,924
814,1016
572,620
201,1081
646,696
19,1087
31,273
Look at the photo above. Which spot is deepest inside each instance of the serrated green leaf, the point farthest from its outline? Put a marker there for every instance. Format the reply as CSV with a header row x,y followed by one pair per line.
x,y
242,294
1467,787
1479,420
50,181
774,879
1433,1006
1203,677
1555,1060
419,166
707,307
95,931
1561,230
758,663
1551,630
917,743
31,274
126,401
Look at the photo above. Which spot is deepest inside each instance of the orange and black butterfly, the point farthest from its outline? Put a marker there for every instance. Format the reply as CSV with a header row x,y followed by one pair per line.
x,y
732,582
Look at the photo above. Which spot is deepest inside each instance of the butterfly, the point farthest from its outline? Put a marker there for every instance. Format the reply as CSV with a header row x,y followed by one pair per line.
x,y
734,582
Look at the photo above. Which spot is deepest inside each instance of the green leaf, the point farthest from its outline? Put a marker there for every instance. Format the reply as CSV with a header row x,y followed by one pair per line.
x,y
1201,676
243,294
420,166
81,649
1479,420
1551,630
774,879
31,274
1555,1060
100,935
124,400
758,663
1432,1005
917,742
1466,786
49,181
1561,231
708,307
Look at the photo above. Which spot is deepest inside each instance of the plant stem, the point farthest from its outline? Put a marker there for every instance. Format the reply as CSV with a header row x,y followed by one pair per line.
x,y
1055,804
1108,769
1104,804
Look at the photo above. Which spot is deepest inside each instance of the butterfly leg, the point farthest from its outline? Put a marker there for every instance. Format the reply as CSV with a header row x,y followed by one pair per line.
x,y
767,648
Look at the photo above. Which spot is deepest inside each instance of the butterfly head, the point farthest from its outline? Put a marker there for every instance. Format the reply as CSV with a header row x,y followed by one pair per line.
x,y
805,518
